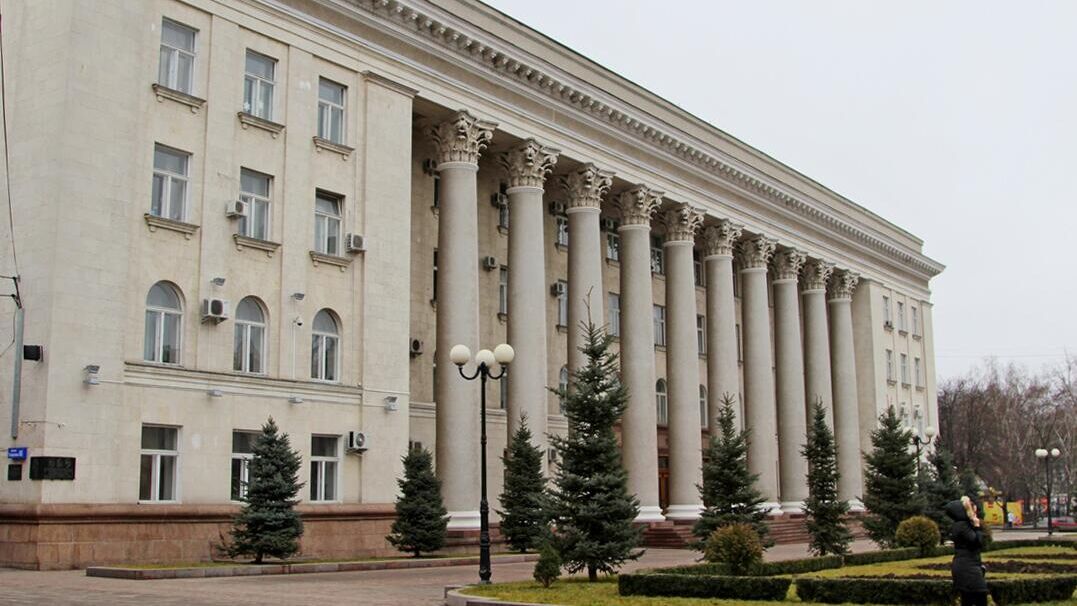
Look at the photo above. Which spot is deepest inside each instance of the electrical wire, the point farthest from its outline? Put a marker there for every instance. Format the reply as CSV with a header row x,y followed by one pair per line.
x,y
7,145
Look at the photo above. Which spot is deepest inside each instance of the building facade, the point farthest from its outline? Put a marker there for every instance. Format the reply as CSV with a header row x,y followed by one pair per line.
x,y
230,211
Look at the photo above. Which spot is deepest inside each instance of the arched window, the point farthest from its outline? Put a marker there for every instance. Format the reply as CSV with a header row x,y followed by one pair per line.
x,y
164,321
562,384
661,401
249,351
324,347
704,419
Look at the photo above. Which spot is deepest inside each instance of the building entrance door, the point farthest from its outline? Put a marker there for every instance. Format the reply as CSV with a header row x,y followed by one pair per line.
x,y
663,482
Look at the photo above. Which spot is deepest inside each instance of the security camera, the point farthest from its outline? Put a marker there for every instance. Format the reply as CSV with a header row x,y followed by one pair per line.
x,y
298,321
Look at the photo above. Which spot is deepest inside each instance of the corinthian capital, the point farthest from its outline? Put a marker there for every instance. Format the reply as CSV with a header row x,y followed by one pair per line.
x,y
756,251
586,186
462,138
787,263
682,223
719,239
817,274
528,163
842,284
638,205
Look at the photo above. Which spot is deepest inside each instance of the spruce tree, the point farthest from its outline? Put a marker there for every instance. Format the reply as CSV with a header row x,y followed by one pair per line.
x,y
421,517
524,518
824,510
969,483
591,506
268,524
890,490
728,491
941,487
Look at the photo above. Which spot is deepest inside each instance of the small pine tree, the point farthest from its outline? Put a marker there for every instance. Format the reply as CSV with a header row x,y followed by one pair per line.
x,y
728,491
591,506
268,524
524,518
421,517
941,487
890,491
969,484
824,510
548,567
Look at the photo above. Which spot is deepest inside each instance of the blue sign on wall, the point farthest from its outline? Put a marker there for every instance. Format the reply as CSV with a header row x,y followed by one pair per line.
x,y
18,453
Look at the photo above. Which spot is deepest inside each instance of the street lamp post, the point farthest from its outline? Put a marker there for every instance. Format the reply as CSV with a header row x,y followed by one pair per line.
x,y
929,434
1054,453
485,360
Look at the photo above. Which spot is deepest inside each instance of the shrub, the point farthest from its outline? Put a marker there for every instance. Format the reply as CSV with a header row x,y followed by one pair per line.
x,y
764,569
920,532
1017,591
875,591
421,518
703,586
737,546
876,557
548,566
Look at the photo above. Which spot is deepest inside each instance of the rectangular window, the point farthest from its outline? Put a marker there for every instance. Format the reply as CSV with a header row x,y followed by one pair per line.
x,y
562,303
324,461
613,246
435,279
503,392
662,405
437,190
561,235
660,325
704,421
242,453
918,371
740,345
169,183
701,333
503,290
331,110
915,311
503,216
890,366
254,190
157,476
901,316
697,264
658,258
904,369
736,279
887,319
176,69
258,85
614,314
327,219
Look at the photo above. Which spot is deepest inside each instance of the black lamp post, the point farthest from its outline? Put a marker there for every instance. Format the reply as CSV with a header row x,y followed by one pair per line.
x,y
485,360
1043,453
929,434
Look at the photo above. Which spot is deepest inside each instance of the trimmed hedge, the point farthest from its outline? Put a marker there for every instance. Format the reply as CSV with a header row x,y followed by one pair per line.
x,y
875,591
1010,544
876,557
1019,591
765,569
703,586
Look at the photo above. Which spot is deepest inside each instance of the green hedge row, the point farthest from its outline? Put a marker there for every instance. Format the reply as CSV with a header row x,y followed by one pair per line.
x,y
703,586
887,555
997,545
875,591
766,569
1019,591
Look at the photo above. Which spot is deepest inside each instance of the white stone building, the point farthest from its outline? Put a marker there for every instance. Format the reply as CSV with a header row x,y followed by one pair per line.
x,y
226,210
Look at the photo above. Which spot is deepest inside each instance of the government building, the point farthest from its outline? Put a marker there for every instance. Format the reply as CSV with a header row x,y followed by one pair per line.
x,y
230,210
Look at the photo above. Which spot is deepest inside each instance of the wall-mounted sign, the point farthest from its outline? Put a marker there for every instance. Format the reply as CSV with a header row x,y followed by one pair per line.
x,y
52,468
18,453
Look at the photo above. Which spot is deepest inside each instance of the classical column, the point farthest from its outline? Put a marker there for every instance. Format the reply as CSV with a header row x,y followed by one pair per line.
x,y
755,253
639,426
682,365
527,165
816,337
843,374
458,142
723,372
789,362
586,186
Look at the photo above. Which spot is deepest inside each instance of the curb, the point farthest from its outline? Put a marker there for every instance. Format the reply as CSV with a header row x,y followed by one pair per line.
x,y
153,574
453,597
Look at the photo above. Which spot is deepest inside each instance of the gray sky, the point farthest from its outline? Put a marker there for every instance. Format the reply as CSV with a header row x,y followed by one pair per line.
x,y
954,120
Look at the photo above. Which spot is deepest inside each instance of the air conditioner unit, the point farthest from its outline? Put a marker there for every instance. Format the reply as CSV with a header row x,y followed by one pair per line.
x,y
236,208
215,310
355,243
489,263
416,347
609,224
888,324
557,208
357,441
429,166
499,199
558,289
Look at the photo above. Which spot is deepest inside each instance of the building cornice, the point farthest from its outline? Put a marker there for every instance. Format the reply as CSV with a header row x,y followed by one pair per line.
x,y
478,47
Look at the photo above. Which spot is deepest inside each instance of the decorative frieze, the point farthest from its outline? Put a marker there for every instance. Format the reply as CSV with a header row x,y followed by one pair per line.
x,y
756,251
817,274
528,163
787,263
586,186
842,284
720,238
462,138
682,223
638,205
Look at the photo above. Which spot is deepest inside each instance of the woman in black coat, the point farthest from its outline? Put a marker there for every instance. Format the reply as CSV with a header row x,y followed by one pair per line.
x,y
967,568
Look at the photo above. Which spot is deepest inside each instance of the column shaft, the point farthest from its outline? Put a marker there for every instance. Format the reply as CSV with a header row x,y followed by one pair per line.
x,y
723,370
792,425
843,369
585,291
817,353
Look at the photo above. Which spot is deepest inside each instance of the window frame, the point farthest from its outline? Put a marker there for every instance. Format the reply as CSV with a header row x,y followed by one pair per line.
x,y
321,245
562,383
704,412
242,483
890,365
914,312
328,106
658,257
887,312
156,455
562,305
173,57
165,210
613,246
701,334
322,338
560,232
159,324
901,316
918,372
246,326
502,290
658,315
904,361
257,83
255,200
661,400
318,484
697,266
614,313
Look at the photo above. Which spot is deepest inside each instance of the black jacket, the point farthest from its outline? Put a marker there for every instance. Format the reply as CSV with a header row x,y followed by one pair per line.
x,y
967,568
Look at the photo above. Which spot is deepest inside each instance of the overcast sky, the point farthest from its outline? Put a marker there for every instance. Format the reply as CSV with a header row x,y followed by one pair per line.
x,y
955,120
